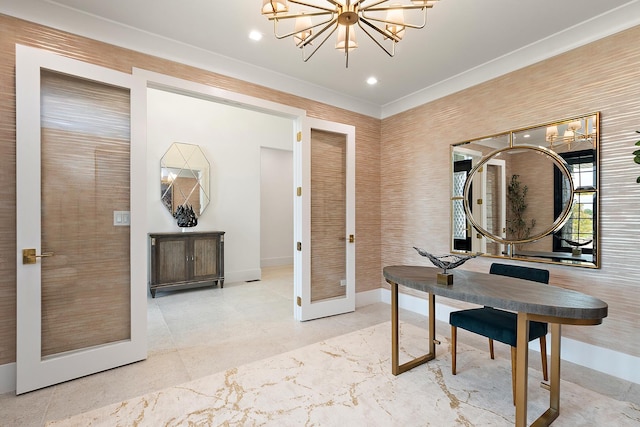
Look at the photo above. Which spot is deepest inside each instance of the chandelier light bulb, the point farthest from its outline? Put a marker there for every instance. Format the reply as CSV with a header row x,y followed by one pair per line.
x,y
274,6
396,19
342,34
303,29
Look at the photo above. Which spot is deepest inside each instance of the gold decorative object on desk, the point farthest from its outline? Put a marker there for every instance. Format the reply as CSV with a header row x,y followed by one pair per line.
x,y
446,262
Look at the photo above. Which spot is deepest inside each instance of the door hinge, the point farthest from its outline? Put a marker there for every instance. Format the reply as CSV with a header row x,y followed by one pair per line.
x,y
352,238
299,191
299,136
299,246
299,301
479,201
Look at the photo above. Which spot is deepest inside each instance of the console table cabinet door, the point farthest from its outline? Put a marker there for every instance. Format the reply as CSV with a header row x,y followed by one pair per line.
x,y
172,265
186,260
205,257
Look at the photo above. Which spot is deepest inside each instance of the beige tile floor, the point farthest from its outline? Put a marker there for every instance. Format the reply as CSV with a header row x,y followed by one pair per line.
x,y
198,332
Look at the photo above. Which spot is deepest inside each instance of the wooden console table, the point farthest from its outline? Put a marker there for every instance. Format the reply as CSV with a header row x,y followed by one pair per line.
x,y
186,260
531,300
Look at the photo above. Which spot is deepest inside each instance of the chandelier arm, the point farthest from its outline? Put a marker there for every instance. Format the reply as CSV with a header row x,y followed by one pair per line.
x,y
305,59
329,21
373,8
391,52
385,34
347,39
315,6
319,33
404,24
299,15
373,4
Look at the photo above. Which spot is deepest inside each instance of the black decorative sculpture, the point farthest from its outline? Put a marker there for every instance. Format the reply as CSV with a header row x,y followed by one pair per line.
x,y
185,216
446,262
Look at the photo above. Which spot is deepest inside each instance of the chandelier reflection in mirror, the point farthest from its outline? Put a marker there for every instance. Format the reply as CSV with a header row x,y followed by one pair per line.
x,y
310,29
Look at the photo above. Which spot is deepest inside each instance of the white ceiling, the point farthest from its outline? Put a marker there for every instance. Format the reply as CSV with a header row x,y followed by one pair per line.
x,y
465,42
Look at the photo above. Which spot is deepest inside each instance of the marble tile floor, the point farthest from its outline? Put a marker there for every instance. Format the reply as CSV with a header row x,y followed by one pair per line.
x,y
198,332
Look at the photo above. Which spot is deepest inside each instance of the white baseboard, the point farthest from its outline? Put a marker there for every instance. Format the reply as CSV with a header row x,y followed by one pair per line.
x,y
7,378
276,262
600,359
243,275
368,297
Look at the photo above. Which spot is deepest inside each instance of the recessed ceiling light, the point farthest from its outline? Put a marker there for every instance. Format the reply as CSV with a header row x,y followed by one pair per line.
x,y
372,80
255,35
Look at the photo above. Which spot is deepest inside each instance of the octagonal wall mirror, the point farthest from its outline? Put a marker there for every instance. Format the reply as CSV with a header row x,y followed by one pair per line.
x,y
529,194
184,178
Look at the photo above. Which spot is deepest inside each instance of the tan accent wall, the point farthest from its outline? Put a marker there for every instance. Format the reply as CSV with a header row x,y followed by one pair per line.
x,y
602,76
15,31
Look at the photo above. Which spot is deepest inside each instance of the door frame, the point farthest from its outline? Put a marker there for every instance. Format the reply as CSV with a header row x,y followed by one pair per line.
x,y
300,139
32,372
151,79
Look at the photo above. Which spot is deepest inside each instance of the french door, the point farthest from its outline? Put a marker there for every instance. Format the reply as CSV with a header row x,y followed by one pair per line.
x,y
81,307
325,252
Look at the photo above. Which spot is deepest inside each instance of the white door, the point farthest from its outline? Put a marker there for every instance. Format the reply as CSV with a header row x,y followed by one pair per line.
x,y
81,291
325,238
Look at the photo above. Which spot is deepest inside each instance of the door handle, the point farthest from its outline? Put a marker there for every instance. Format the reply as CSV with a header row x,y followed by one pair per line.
x,y
29,256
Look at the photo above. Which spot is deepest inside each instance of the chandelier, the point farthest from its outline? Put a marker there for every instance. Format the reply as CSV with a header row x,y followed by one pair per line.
x,y
311,28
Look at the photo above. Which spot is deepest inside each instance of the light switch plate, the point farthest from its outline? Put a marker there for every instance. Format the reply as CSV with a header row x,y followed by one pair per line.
x,y
122,218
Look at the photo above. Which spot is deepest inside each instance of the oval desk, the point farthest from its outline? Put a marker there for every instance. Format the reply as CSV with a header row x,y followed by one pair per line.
x,y
531,300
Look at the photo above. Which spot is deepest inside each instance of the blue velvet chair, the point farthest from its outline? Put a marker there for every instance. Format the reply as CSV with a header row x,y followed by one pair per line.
x,y
501,325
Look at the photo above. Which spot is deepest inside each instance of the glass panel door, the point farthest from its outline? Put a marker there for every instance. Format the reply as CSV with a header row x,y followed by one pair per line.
x,y
77,309
326,246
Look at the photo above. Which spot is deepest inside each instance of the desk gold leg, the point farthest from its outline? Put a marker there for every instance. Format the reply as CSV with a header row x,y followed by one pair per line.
x,y
554,381
432,325
522,363
396,368
554,400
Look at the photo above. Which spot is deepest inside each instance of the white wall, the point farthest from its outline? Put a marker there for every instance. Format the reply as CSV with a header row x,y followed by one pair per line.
x,y
276,217
231,138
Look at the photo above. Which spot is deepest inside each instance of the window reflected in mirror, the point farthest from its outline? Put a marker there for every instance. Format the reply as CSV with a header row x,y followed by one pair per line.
x,y
531,194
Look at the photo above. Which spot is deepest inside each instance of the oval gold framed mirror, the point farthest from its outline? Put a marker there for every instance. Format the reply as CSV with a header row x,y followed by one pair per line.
x,y
502,205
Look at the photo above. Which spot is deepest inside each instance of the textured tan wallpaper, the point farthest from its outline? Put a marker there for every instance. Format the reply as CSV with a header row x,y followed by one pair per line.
x,y
603,76
328,219
12,31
